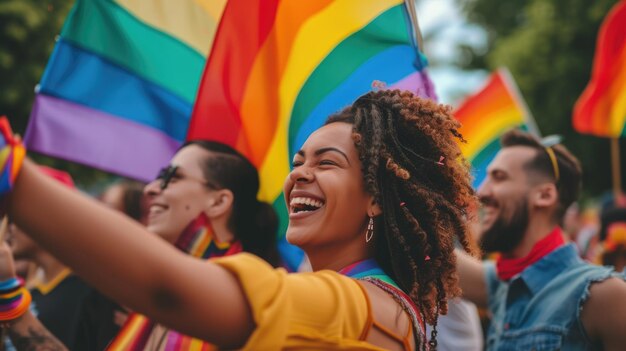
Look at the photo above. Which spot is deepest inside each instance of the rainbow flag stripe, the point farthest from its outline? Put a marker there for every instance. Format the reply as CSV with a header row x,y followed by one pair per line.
x,y
601,109
279,68
486,115
121,83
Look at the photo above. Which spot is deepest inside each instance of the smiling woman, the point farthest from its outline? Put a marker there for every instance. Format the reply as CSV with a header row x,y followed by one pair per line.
x,y
376,198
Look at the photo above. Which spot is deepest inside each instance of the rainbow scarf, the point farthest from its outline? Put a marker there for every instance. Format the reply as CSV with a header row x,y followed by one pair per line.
x,y
369,270
197,240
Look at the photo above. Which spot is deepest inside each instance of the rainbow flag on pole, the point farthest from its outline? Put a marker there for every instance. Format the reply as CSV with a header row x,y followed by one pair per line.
x,y
279,68
601,109
119,88
486,115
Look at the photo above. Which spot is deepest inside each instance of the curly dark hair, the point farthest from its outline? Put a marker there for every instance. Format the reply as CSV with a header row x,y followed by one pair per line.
x,y
413,167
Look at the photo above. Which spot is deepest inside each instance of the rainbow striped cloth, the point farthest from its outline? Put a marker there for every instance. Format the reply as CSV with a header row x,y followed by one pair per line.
x,y
118,91
601,109
486,115
278,68
12,154
119,88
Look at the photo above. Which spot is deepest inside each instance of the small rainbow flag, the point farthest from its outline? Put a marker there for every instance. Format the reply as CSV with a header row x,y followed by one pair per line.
x,y
486,115
278,68
601,109
119,88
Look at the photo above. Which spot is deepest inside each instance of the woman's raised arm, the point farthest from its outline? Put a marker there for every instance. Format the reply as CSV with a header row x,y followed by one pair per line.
x,y
121,259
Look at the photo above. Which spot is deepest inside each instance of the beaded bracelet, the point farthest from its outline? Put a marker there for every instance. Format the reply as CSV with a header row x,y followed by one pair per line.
x,y
14,299
12,154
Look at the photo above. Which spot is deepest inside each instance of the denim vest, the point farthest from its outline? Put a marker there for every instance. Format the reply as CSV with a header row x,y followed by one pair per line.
x,y
539,309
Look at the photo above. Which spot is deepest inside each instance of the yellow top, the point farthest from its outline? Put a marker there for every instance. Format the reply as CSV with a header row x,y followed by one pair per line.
x,y
307,311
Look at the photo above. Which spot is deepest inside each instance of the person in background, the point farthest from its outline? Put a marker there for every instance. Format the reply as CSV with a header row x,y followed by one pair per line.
x,y
204,203
582,229
25,332
100,318
460,329
613,238
57,293
540,293
127,197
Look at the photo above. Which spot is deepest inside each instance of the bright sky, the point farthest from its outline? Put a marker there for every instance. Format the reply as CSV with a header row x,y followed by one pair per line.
x,y
443,27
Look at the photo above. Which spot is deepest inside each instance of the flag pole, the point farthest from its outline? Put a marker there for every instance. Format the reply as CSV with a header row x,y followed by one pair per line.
x,y
616,167
416,33
509,82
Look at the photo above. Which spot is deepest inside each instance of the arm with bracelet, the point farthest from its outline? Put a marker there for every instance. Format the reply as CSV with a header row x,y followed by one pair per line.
x,y
81,233
23,329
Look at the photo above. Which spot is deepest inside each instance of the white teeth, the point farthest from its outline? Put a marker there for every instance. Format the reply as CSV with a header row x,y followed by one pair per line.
x,y
306,201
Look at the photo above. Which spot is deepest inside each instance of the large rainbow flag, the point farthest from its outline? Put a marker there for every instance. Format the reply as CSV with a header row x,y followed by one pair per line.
x,y
278,68
601,109
119,88
486,115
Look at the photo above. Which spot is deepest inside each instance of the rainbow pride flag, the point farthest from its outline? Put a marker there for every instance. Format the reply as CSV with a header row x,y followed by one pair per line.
x,y
119,88
486,115
278,68
601,109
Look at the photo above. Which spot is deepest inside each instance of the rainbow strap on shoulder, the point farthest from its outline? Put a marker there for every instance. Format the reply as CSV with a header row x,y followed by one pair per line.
x,y
12,154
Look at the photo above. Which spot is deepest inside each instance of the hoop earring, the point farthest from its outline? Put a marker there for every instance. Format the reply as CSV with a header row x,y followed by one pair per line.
x,y
370,230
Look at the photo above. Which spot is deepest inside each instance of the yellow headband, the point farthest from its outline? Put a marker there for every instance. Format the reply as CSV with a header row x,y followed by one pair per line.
x,y
555,164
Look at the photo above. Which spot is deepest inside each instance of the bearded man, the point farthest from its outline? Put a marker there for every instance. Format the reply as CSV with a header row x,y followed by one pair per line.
x,y
541,295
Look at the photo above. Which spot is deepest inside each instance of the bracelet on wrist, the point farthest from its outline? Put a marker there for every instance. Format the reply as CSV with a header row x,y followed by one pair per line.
x,y
14,299
12,154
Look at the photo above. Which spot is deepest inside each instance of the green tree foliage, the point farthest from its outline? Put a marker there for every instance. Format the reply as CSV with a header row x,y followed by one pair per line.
x,y
28,29
27,33
548,46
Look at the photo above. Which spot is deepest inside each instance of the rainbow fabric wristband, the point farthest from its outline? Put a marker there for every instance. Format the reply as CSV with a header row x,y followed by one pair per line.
x,y
12,154
14,299
9,285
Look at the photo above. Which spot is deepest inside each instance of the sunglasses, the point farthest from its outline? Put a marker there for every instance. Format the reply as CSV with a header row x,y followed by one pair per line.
x,y
165,176
168,173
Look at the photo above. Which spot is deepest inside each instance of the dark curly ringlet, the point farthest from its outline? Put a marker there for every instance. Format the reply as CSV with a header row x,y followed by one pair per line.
x,y
254,223
400,138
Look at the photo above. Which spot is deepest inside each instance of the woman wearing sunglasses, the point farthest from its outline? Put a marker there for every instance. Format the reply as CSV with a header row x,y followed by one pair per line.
x,y
375,198
204,203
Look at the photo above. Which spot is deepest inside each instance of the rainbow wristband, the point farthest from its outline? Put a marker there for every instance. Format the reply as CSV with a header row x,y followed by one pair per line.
x,y
12,154
14,299
9,285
